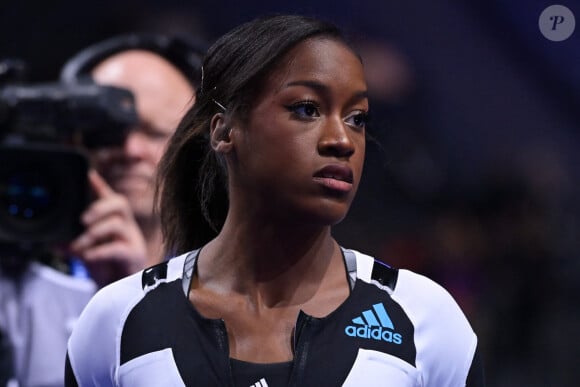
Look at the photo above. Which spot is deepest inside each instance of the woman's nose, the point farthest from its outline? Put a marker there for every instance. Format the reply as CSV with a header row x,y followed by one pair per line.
x,y
335,139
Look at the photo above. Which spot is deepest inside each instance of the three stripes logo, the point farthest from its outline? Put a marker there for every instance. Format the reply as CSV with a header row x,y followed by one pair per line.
x,y
374,324
260,383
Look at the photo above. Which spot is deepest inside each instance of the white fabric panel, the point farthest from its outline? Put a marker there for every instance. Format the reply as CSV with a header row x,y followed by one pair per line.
x,y
154,369
444,339
364,266
373,368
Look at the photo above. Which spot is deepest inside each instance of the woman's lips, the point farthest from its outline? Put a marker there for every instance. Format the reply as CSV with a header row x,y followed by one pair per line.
x,y
335,177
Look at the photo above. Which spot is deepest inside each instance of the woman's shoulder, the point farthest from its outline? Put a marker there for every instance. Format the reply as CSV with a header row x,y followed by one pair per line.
x,y
445,341
98,328
114,299
105,315
412,289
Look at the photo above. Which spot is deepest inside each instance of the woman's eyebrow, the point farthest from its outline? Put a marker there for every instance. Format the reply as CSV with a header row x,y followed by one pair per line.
x,y
308,83
321,87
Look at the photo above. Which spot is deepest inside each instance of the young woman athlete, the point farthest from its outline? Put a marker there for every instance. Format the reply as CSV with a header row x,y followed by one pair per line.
x,y
260,293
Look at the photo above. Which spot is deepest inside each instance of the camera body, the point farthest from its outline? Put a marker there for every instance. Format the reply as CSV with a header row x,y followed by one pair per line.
x,y
43,190
46,131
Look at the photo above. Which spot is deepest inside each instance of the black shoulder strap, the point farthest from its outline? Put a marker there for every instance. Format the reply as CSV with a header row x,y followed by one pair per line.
x,y
385,275
382,273
350,262
153,274
188,267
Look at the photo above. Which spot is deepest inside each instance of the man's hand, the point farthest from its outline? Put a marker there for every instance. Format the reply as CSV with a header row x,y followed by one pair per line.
x,y
112,245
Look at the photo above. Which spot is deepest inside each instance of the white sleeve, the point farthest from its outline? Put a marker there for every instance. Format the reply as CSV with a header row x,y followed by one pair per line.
x,y
94,346
444,339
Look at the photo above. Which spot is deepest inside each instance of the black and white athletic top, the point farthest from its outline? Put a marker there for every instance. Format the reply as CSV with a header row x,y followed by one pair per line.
x,y
395,329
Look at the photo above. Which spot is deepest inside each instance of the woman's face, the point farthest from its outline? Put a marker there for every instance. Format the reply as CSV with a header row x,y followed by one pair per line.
x,y
300,153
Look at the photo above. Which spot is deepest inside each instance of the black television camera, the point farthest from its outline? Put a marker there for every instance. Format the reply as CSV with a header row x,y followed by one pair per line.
x,y
45,131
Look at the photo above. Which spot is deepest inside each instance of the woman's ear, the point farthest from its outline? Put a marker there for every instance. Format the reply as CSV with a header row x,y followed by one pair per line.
x,y
220,134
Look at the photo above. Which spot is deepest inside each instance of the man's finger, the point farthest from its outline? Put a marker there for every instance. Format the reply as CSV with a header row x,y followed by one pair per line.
x,y
99,185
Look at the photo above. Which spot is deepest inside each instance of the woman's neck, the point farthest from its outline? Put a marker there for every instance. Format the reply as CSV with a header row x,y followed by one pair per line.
x,y
272,266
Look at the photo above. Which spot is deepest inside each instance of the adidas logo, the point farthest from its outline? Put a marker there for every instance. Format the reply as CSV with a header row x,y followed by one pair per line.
x,y
374,324
260,383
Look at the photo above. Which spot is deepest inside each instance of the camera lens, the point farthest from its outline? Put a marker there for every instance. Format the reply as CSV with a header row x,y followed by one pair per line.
x,y
26,196
43,191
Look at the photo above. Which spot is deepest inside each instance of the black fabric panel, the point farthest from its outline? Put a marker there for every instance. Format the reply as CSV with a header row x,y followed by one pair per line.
x,y
385,275
153,274
164,318
69,377
6,361
476,376
328,347
248,374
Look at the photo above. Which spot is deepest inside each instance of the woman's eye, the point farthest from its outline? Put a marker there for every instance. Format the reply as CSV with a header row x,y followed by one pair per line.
x,y
358,119
304,109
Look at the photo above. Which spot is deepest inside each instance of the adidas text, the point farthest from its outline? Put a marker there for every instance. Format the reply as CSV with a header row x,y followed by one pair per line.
x,y
377,333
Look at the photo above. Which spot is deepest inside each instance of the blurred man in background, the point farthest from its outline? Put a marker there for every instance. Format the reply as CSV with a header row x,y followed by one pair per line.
x,y
122,232
38,304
